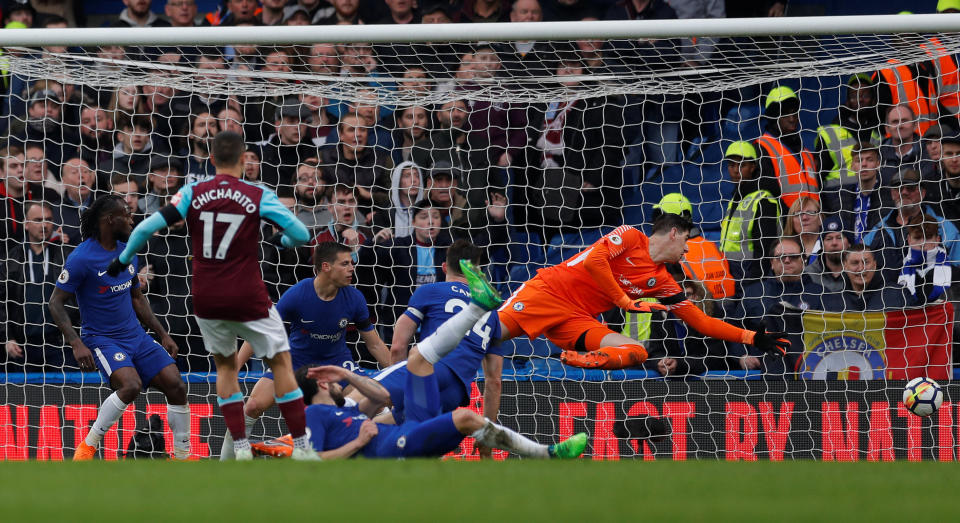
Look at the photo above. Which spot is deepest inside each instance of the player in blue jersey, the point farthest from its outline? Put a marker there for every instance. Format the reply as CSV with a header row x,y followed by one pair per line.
x,y
338,430
317,312
112,340
429,307
230,300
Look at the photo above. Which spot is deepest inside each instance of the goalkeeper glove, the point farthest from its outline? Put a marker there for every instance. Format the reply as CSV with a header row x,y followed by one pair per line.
x,y
641,306
116,267
772,342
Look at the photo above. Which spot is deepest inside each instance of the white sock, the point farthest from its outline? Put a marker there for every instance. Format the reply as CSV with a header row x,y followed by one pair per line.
x,y
448,335
226,450
243,444
500,437
303,442
178,417
110,411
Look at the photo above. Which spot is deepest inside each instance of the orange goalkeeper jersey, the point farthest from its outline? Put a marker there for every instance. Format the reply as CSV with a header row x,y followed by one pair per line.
x,y
634,273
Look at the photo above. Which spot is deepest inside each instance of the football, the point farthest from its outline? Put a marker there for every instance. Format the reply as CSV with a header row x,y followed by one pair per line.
x,y
922,396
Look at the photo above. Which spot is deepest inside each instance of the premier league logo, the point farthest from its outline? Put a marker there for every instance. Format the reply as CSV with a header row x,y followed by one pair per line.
x,y
343,323
64,276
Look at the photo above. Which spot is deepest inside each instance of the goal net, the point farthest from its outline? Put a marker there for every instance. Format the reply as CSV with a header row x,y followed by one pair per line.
x,y
532,147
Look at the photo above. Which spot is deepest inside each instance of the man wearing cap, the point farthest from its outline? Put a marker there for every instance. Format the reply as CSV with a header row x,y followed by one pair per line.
x,y
944,187
287,147
889,236
858,206
781,150
827,270
752,220
44,124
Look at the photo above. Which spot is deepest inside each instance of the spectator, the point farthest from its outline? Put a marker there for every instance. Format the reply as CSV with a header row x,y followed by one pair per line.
x,y
866,288
478,11
251,165
439,12
31,338
388,272
888,237
230,119
127,188
19,11
776,303
181,13
443,194
131,155
123,101
827,269
287,147
781,149
78,180
676,350
272,12
804,224
137,14
859,113
163,181
198,167
296,15
369,112
932,150
14,193
44,124
37,174
413,123
902,85
96,137
322,129
324,60
944,185
312,200
406,188
501,125
344,11
526,58
346,225
232,12
925,274
353,163
401,12
572,10
859,206
902,146
752,221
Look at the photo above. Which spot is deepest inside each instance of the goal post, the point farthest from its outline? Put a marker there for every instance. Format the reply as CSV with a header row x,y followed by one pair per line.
x,y
534,140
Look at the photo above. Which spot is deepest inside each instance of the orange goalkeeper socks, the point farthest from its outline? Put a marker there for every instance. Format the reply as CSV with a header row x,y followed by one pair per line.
x,y
606,358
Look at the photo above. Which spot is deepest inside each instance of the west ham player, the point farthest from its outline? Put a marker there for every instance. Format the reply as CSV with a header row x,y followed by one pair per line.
x,y
110,306
429,307
340,431
562,302
317,312
229,297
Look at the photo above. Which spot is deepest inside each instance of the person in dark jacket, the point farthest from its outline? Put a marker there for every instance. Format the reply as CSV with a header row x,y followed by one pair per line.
x,y
866,288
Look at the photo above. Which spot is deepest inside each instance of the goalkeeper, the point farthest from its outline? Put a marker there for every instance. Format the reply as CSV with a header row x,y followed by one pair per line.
x,y
562,302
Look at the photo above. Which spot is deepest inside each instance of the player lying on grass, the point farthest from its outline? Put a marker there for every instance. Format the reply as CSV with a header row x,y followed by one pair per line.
x,y
230,300
316,312
562,302
339,430
430,306
110,307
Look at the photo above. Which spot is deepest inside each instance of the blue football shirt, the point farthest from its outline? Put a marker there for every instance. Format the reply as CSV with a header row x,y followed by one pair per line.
x,y
331,427
106,308
317,328
435,303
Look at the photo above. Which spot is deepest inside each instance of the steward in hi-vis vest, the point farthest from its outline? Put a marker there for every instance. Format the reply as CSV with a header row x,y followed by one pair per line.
x,y
782,152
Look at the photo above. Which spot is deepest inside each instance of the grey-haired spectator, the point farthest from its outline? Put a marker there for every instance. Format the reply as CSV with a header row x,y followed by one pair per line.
x,y
78,184
137,13
181,13
290,145
925,275
31,339
827,269
163,181
199,167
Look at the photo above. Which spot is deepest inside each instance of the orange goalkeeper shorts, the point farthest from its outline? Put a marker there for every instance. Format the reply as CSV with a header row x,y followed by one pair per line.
x,y
533,310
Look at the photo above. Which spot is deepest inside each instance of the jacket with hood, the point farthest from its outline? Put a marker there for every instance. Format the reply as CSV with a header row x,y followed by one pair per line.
x,y
398,217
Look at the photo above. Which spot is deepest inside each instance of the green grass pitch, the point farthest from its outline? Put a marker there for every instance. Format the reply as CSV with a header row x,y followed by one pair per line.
x,y
429,490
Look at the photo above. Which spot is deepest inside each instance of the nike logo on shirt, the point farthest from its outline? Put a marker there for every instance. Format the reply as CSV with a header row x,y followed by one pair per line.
x,y
101,273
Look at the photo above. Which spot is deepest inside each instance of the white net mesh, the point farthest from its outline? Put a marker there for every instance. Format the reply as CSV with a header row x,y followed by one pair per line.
x,y
533,151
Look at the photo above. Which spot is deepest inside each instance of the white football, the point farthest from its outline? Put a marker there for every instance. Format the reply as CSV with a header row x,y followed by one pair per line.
x,y
922,396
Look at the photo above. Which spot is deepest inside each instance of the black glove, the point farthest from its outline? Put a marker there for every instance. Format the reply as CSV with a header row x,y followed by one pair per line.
x,y
772,342
116,267
276,240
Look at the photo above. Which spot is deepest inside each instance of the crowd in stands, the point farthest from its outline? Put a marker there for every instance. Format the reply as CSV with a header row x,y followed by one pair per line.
x,y
865,220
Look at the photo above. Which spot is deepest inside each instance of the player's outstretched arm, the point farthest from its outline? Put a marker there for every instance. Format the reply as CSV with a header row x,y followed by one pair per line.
x,y
142,307
766,341
59,314
375,395
295,233
403,333
142,233
378,349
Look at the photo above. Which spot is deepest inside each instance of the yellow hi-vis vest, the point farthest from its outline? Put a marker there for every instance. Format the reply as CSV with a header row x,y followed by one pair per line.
x,y
636,325
736,230
838,142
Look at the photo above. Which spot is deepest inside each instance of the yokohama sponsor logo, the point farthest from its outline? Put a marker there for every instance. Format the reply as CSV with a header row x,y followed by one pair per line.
x,y
224,194
115,288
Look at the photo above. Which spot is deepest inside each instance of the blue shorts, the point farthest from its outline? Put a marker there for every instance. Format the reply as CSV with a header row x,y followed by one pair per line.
x,y
394,378
433,437
141,352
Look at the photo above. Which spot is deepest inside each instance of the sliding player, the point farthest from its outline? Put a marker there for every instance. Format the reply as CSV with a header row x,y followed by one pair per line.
x,y
340,431
562,302
110,306
229,297
318,311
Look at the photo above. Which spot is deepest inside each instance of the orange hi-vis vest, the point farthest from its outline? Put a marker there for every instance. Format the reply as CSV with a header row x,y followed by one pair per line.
x,y
905,89
797,177
946,83
706,263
